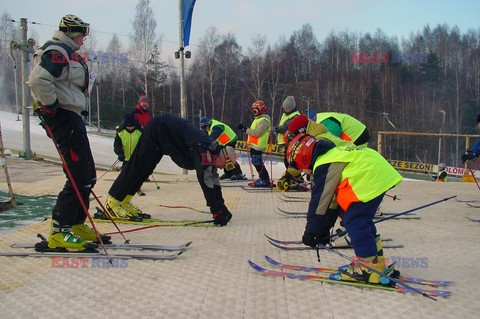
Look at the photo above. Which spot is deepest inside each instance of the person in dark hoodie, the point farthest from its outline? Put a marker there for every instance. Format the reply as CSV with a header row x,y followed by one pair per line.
x,y
126,139
189,147
142,112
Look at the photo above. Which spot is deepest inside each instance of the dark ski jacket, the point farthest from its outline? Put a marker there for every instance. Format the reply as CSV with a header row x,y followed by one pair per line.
x,y
177,138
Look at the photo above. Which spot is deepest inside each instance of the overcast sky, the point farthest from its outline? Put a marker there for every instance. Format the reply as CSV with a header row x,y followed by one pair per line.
x,y
246,18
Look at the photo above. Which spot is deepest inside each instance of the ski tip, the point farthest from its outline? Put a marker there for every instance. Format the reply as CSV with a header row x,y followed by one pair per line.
x,y
188,244
269,238
255,266
272,261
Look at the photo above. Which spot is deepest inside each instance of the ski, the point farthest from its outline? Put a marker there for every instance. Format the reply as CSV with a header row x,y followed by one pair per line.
x,y
419,281
287,247
474,206
88,254
184,207
268,272
304,214
473,220
148,221
181,247
299,242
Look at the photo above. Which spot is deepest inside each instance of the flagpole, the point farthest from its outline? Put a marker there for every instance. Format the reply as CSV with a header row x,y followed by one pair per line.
x,y
183,92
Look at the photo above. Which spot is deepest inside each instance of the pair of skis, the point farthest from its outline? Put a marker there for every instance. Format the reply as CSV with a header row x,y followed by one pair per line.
x,y
174,252
403,288
292,214
293,244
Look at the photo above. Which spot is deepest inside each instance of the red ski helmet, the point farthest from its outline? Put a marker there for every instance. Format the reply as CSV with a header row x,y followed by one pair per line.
x,y
259,107
300,151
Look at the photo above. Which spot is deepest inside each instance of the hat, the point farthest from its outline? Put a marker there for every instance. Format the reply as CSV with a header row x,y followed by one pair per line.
x,y
204,122
129,119
442,165
289,104
298,124
143,97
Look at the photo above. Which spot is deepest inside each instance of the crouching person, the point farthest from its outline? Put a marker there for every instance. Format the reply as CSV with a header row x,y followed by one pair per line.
x,y
358,177
188,147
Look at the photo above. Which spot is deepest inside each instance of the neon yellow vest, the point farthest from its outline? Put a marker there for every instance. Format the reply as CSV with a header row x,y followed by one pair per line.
x,y
351,127
262,140
285,117
366,175
227,136
129,141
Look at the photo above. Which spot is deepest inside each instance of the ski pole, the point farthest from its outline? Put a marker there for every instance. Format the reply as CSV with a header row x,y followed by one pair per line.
x,y
394,197
248,156
161,225
476,163
408,287
473,174
270,146
341,234
425,170
108,170
156,184
127,241
74,185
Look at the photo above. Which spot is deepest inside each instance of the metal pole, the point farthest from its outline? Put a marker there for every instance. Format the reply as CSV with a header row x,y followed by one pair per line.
x,y
183,94
440,138
27,151
16,90
98,98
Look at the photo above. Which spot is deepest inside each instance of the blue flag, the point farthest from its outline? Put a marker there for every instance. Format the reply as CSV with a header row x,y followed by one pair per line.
x,y
187,12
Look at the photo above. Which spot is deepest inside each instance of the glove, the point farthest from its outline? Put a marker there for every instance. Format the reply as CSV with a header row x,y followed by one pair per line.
x,y
242,127
121,158
276,129
469,156
313,240
45,112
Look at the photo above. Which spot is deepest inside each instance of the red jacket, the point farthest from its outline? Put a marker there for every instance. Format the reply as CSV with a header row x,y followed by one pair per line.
x,y
143,116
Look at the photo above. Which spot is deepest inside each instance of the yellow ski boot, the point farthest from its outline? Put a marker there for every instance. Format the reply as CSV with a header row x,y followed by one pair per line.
x,y
88,233
119,209
61,238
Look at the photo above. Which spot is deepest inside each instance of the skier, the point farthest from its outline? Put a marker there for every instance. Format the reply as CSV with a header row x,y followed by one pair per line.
x,y
142,112
258,135
442,173
344,126
301,124
59,82
189,147
126,138
358,177
290,112
227,138
473,152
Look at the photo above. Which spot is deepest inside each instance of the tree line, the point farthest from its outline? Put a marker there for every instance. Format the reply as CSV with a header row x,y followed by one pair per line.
x,y
428,82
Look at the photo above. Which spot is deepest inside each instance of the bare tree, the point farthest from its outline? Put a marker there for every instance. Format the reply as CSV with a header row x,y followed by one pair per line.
x,y
144,38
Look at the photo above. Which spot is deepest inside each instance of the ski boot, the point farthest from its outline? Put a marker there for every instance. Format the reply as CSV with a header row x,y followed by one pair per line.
x,y
356,272
89,234
118,209
238,177
363,274
260,183
134,210
61,238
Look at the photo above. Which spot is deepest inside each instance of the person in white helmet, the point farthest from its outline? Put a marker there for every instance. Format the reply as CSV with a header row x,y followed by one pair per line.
x,y
59,83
